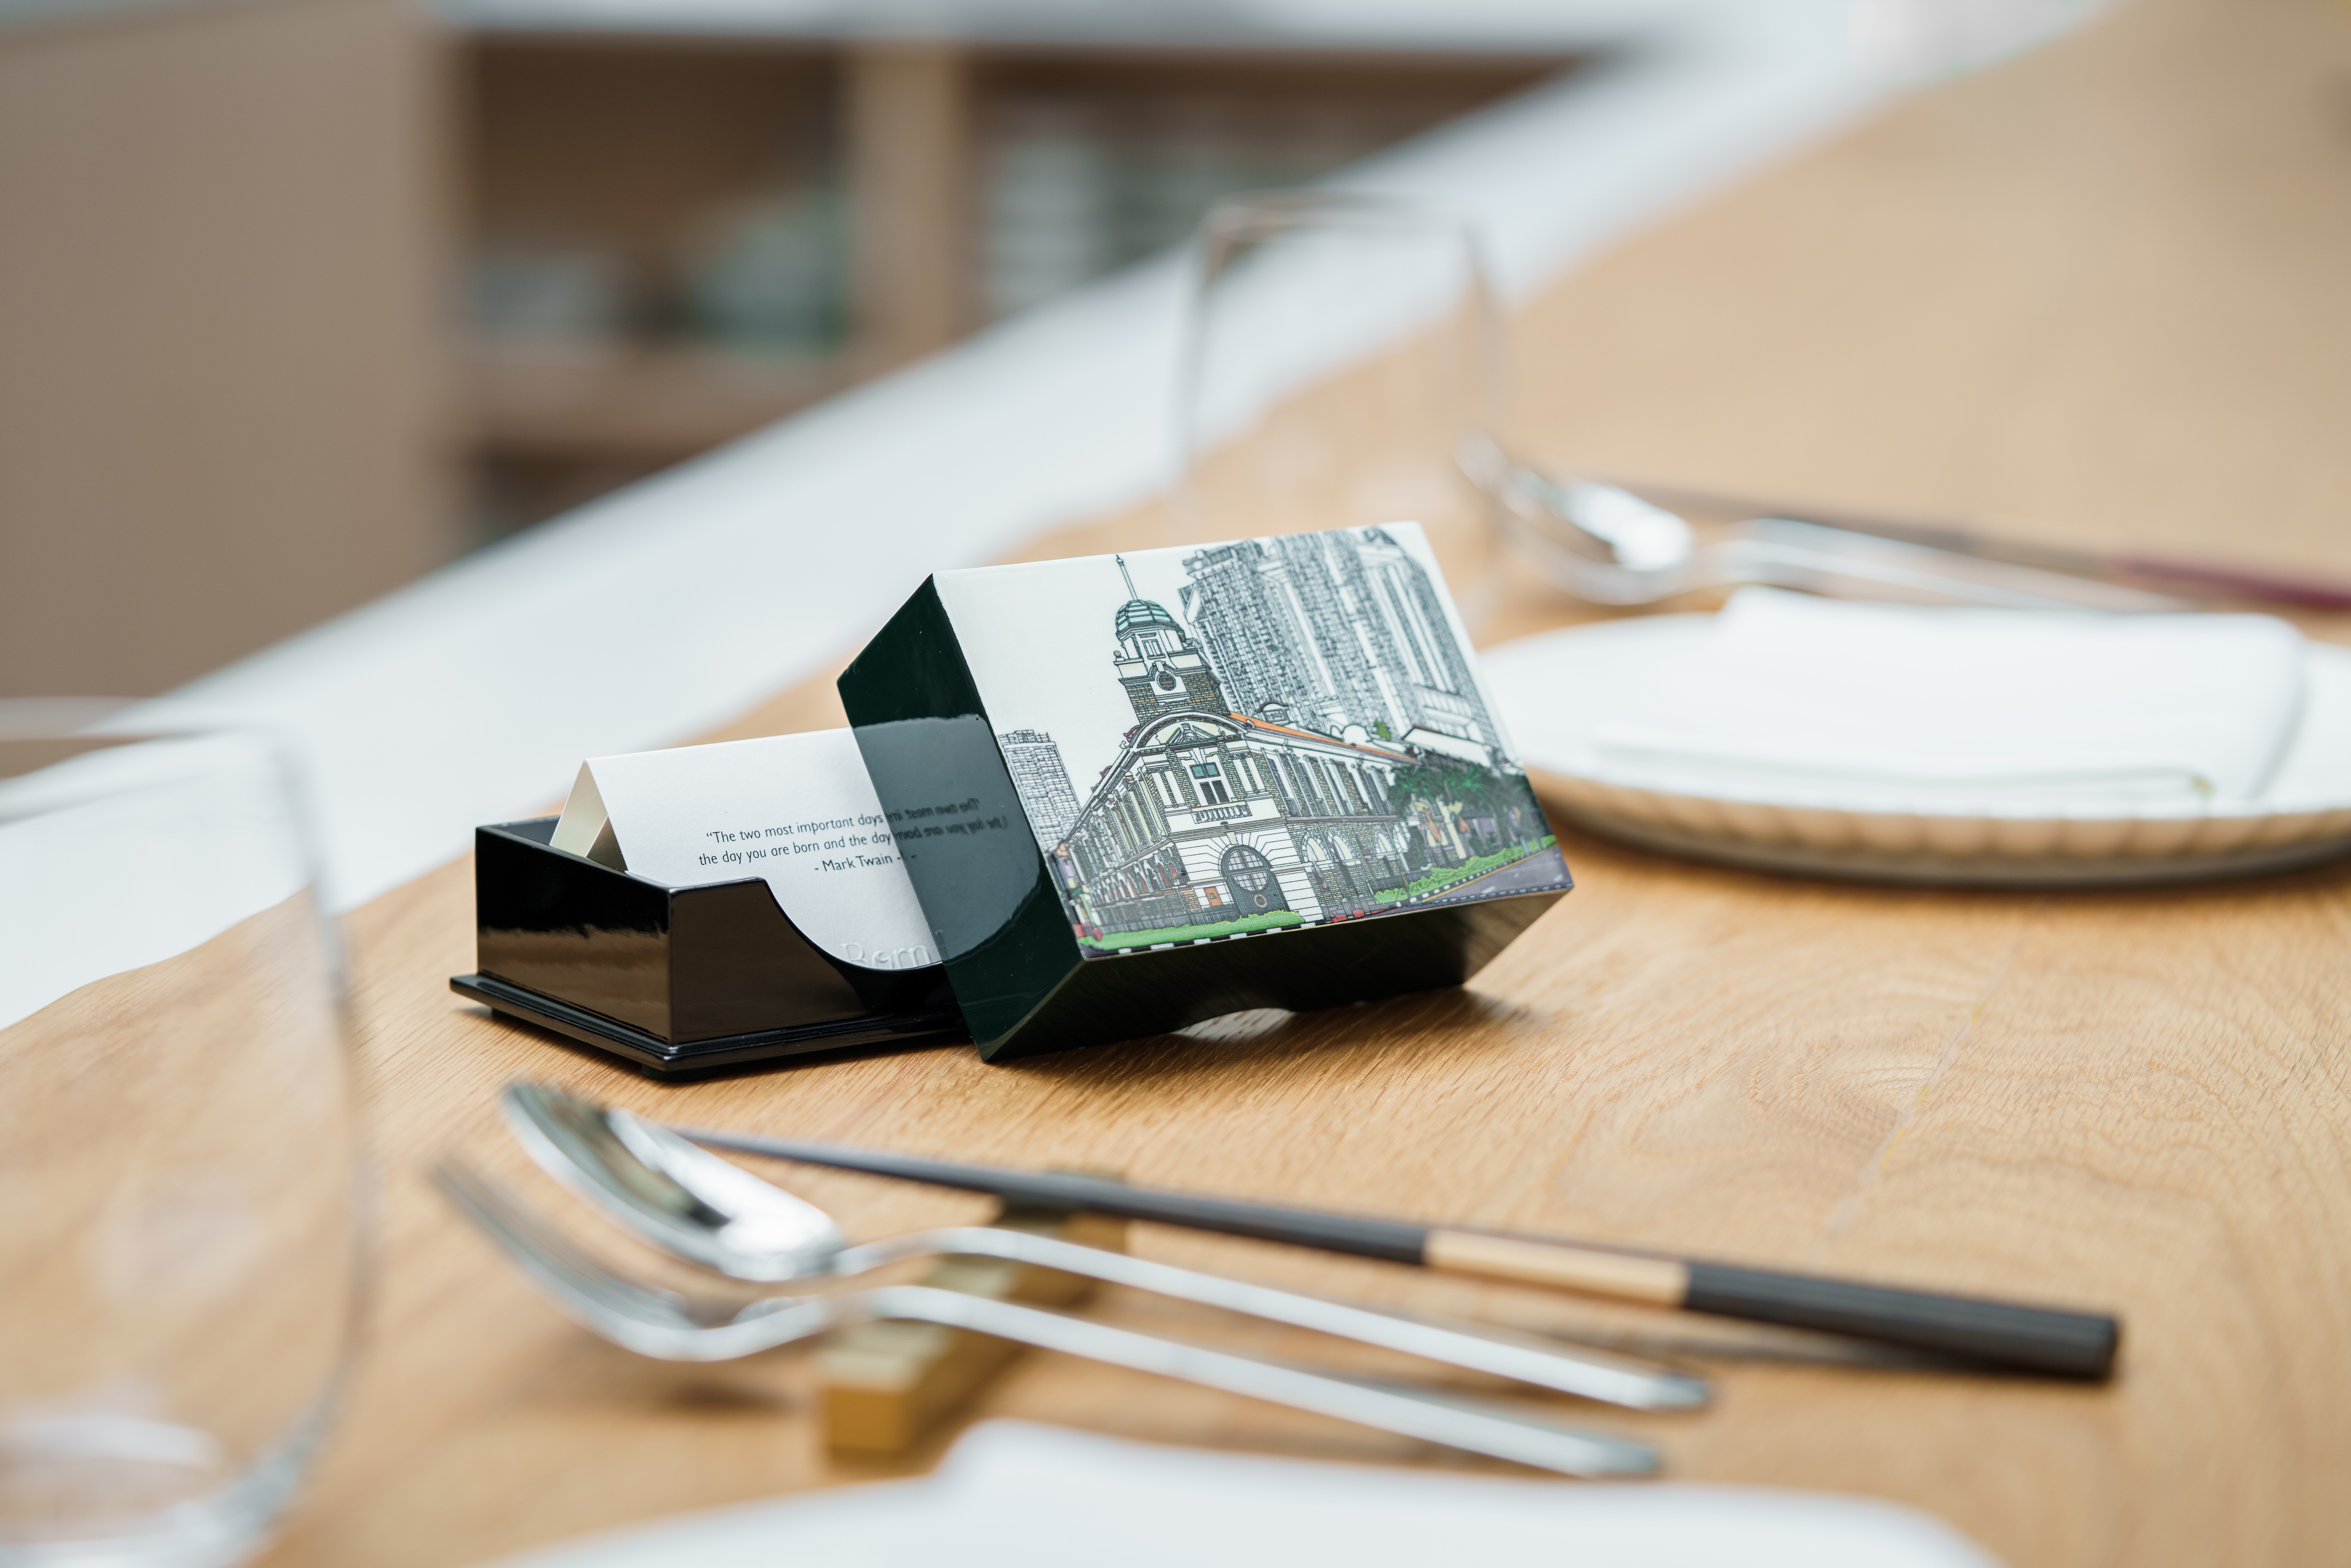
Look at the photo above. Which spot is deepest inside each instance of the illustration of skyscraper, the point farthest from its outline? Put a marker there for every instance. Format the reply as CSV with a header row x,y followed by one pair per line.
x,y
1042,781
1242,598
1344,627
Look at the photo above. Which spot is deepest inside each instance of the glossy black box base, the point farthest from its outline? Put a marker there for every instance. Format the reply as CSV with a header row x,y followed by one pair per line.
x,y
677,981
659,1059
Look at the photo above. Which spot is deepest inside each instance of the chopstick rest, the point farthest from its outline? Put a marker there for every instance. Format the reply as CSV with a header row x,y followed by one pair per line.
x,y
885,1387
2046,1341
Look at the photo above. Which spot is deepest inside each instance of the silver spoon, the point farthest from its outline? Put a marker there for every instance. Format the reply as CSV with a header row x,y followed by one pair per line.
x,y
650,1321
706,1210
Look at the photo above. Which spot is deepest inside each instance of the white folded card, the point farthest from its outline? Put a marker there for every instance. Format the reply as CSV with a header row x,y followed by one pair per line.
x,y
797,810
1982,704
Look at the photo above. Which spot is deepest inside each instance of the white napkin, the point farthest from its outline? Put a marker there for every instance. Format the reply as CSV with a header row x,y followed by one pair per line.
x,y
1996,706
1013,1495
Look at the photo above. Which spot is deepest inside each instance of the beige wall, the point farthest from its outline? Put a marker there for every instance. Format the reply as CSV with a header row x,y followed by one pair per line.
x,y
220,338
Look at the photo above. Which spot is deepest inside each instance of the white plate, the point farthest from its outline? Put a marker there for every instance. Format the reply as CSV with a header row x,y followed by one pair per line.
x,y
1557,689
1012,1495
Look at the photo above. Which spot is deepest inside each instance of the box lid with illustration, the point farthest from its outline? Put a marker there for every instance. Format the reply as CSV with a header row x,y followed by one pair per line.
x,y
1134,792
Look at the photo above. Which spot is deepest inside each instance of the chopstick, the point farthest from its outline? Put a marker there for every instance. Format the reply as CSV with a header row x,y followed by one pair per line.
x,y
2042,1340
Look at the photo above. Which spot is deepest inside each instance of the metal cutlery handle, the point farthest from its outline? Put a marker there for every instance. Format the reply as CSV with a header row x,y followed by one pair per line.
x,y
1591,1374
1409,1413
1816,555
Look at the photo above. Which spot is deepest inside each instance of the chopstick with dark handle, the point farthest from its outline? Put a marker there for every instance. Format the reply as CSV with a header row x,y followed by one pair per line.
x,y
2042,1340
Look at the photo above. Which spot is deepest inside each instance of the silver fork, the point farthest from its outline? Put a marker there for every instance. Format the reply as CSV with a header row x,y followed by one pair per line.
x,y
1607,546
651,1321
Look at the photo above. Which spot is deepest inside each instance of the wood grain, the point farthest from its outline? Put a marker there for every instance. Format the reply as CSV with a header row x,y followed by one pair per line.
x,y
2096,294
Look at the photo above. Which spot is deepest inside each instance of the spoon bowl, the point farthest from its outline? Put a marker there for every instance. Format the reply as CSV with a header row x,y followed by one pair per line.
x,y
683,1199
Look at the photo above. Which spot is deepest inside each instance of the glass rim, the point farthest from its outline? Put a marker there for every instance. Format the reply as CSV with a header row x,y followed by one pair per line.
x,y
1278,207
1235,224
60,718
102,718
130,720
100,724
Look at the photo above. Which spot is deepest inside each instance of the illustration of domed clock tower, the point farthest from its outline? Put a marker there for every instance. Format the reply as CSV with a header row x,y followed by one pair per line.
x,y
1161,667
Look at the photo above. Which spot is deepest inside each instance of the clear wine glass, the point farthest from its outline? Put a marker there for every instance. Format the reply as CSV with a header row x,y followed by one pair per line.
x,y
179,1241
1342,351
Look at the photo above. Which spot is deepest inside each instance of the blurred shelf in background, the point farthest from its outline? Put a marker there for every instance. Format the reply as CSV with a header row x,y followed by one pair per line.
x,y
551,398
301,299
222,330
1088,162
675,236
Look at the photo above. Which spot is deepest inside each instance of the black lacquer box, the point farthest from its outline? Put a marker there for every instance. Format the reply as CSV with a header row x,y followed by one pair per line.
x,y
1121,821
675,981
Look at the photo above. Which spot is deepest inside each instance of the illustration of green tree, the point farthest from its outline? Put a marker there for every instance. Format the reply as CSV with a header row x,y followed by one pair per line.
x,y
1439,785
1467,790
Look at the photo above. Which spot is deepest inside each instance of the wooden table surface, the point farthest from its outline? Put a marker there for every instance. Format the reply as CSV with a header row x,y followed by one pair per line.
x,y
2102,293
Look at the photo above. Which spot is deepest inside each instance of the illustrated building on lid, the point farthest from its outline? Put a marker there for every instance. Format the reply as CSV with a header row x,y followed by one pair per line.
x,y
1288,741
1281,775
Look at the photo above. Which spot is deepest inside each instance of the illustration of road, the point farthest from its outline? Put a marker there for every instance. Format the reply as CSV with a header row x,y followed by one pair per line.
x,y
1544,868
